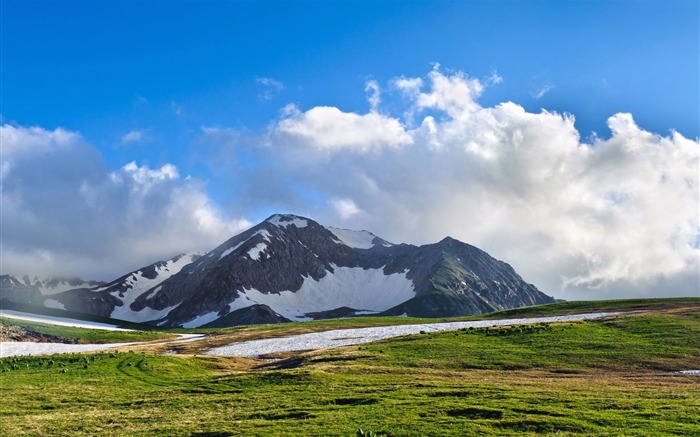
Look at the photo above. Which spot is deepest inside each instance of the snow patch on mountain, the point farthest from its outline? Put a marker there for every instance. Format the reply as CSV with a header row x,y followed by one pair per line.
x,y
201,320
59,321
242,301
255,252
53,303
354,287
228,251
266,235
55,286
287,220
137,284
354,239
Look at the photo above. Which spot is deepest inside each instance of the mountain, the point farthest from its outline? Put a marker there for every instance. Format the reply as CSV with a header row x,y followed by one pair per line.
x,y
290,268
37,290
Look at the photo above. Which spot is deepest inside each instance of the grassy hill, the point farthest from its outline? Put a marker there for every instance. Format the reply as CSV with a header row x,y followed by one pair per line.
x,y
607,377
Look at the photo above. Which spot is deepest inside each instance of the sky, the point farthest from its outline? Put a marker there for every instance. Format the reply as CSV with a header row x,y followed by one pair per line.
x,y
559,136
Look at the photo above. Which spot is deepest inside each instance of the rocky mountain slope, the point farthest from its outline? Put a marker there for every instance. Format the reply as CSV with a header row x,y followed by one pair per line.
x,y
290,268
37,290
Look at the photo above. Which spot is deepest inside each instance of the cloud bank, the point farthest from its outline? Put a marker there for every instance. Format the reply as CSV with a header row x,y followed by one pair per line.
x,y
65,212
613,216
600,218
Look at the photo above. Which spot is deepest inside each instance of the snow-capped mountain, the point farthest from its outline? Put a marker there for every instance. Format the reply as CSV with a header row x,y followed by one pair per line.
x,y
290,268
36,290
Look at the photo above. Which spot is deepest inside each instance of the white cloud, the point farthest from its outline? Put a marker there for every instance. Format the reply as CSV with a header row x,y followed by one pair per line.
x,y
494,78
615,217
455,95
64,211
345,208
410,86
269,88
374,94
541,91
599,218
327,128
133,136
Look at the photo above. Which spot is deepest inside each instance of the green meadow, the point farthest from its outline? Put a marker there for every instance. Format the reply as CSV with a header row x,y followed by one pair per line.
x,y
607,377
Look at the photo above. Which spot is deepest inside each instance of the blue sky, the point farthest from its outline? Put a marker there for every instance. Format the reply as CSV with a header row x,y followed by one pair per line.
x,y
206,87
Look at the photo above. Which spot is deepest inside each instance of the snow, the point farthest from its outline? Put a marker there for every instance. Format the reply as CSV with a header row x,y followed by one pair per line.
x,y
11,349
53,303
266,235
60,287
139,284
228,251
296,221
369,291
202,320
686,372
353,287
254,348
60,321
345,337
255,252
49,286
355,239
241,302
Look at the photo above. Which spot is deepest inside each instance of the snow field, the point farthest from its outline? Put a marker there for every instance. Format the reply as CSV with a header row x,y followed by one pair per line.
x,y
12,349
60,321
346,337
296,221
355,239
354,287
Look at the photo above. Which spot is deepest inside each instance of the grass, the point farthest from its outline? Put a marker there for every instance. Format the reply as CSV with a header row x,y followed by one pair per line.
x,y
603,378
82,335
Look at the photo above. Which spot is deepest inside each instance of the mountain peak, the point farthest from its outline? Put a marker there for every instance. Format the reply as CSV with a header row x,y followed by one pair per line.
x,y
290,267
285,220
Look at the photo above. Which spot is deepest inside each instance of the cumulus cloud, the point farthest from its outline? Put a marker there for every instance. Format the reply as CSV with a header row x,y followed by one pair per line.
x,y
64,211
327,128
609,217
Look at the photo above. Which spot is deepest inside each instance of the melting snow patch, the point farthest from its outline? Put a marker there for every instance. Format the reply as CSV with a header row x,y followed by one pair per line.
x,y
355,239
229,250
345,337
11,349
352,287
255,252
296,221
140,284
60,321
266,235
686,372
201,320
